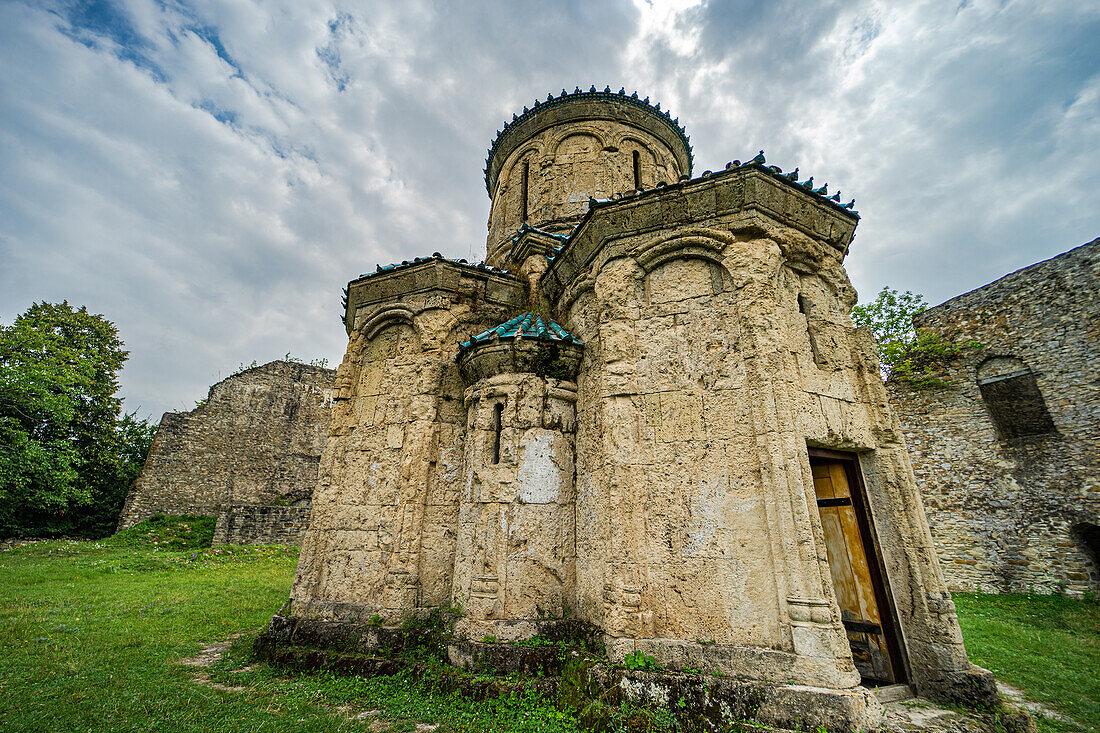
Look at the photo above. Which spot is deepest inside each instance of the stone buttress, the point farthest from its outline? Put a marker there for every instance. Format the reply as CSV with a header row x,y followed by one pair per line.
x,y
674,463
516,559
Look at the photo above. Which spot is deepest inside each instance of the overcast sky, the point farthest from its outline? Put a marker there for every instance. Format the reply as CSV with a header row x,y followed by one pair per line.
x,y
210,174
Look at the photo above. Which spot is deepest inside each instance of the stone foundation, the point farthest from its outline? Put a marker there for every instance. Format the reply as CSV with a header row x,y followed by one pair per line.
x,y
710,702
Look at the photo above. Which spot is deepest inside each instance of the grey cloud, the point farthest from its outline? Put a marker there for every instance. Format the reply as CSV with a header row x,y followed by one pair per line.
x,y
210,175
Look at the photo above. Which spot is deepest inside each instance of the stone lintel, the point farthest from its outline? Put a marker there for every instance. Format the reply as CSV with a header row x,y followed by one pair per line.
x,y
439,283
702,201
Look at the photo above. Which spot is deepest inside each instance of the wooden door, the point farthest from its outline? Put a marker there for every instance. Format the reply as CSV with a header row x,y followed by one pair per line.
x,y
856,578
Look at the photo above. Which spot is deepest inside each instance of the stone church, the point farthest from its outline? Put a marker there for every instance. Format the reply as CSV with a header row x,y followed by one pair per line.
x,y
648,409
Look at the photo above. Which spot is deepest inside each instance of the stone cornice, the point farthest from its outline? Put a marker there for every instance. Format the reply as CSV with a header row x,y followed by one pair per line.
x,y
407,284
746,190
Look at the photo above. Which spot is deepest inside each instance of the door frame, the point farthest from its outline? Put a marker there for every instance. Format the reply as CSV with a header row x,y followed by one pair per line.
x,y
880,583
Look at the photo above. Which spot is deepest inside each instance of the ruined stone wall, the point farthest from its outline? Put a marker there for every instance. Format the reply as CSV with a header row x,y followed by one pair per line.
x,y
256,440
248,524
1011,511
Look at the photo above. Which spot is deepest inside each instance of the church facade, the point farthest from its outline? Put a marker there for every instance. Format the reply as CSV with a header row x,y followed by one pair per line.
x,y
648,410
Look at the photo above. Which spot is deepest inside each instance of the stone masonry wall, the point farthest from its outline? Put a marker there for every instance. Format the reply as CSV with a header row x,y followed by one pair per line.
x,y
1011,511
248,524
256,440
382,531
717,354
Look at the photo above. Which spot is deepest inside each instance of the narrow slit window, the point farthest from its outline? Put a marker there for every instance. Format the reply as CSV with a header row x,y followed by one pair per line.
x,y
805,307
637,169
498,413
524,189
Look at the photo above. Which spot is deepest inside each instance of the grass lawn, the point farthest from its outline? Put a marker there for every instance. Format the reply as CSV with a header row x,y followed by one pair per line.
x,y
1048,646
91,635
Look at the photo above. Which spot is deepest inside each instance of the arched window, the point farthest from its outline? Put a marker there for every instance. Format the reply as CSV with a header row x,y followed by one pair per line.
x,y
1012,397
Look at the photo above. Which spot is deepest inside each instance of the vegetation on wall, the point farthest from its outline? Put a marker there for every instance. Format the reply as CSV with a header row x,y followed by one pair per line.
x,y
906,353
67,452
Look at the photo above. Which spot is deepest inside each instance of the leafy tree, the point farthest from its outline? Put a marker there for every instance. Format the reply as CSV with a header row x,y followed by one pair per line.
x,y
890,318
63,447
906,353
117,462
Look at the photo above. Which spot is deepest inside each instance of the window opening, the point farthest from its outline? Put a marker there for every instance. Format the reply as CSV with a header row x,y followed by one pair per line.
x,y
637,169
523,193
1012,397
498,413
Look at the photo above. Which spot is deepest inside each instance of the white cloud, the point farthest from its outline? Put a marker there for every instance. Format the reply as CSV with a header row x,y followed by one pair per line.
x,y
209,175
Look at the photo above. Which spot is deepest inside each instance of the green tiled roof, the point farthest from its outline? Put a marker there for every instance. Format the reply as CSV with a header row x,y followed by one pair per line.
x,y
526,325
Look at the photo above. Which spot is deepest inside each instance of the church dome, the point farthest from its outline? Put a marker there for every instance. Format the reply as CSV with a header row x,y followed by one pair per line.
x,y
579,105
547,163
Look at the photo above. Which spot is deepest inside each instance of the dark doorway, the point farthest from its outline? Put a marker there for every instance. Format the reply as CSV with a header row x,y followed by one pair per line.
x,y
856,569
1087,537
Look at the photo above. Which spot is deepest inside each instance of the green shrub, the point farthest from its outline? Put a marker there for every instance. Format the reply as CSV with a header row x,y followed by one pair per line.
x,y
185,532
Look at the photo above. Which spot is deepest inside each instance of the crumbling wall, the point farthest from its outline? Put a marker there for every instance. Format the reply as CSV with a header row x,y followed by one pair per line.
x,y
256,440
248,524
1007,453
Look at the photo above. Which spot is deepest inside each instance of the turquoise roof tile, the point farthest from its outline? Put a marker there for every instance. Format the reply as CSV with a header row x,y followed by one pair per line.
x,y
526,325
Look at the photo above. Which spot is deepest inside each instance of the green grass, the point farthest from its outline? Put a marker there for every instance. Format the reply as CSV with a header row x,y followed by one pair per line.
x,y
167,533
91,635
1047,646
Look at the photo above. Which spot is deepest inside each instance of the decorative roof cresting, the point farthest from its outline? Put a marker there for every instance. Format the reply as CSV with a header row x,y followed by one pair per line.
x,y
593,93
